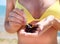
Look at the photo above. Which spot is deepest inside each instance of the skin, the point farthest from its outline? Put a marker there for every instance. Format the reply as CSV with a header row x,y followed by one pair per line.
x,y
16,17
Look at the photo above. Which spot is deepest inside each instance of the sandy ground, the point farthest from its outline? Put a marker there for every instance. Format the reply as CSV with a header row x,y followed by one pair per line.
x,y
6,38
58,38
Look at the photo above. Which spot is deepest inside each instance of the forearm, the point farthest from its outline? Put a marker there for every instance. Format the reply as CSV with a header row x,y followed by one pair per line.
x,y
9,8
10,28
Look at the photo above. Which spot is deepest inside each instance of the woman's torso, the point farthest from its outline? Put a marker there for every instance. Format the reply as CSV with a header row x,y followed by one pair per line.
x,y
48,37
37,9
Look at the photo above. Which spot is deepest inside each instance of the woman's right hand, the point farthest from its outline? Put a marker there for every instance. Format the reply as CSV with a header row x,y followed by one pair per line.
x,y
17,19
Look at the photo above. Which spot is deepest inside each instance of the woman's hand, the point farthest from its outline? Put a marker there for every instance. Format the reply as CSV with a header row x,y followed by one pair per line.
x,y
41,26
49,22
16,19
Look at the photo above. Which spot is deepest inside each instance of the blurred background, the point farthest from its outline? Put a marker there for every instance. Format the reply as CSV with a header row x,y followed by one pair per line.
x,y
6,38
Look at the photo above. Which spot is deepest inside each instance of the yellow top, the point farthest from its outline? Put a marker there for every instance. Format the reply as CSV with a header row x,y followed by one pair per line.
x,y
52,10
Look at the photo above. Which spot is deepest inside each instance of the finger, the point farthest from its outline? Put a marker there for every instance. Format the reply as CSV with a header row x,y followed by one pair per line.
x,y
44,30
13,19
19,12
12,14
15,24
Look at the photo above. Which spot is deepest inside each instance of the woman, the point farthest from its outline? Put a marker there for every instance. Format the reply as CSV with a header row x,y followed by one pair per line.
x,y
21,12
